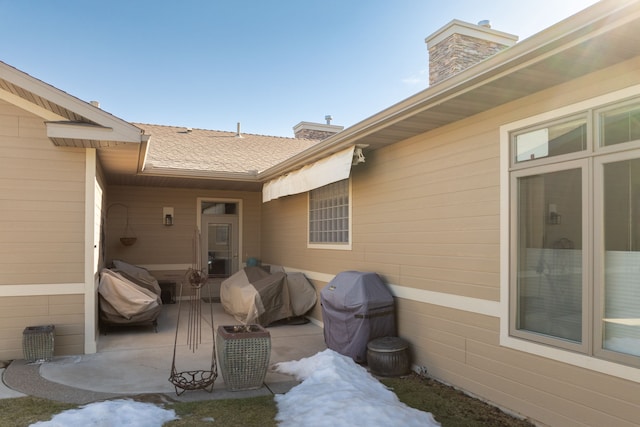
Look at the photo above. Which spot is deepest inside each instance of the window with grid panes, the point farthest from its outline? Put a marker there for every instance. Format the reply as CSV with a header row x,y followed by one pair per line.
x,y
575,234
329,214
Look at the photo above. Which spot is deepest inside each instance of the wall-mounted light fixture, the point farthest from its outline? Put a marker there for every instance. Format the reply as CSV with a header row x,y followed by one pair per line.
x,y
167,216
554,217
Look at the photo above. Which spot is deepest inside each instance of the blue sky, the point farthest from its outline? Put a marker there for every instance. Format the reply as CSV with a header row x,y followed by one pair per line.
x,y
265,64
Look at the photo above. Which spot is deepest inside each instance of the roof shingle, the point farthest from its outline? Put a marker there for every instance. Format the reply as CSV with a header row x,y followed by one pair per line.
x,y
178,148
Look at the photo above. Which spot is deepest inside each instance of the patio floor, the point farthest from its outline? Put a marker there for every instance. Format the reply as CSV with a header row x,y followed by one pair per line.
x,y
137,360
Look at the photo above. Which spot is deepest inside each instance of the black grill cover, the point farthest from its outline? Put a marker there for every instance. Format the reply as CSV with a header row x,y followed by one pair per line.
x,y
356,308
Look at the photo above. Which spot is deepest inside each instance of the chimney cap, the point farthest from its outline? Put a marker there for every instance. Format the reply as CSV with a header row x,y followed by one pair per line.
x,y
485,23
464,28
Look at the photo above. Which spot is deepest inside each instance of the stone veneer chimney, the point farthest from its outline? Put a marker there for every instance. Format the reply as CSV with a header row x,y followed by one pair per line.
x,y
308,130
459,45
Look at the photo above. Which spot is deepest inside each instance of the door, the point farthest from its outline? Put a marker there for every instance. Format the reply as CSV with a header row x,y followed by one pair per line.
x,y
220,244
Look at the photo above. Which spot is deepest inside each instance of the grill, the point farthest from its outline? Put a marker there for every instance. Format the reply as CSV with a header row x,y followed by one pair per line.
x,y
356,308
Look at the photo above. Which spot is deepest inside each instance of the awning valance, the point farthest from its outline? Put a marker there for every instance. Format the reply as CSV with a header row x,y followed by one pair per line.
x,y
326,171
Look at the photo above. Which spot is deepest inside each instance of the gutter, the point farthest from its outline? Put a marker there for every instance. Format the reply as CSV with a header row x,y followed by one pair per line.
x,y
598,19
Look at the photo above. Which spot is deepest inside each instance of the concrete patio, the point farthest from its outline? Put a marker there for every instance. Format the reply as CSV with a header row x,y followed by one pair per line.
x,y
137,360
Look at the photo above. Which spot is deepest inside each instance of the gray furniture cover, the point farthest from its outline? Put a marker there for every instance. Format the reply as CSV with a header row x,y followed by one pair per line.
x,y
255,295
357,307
122,301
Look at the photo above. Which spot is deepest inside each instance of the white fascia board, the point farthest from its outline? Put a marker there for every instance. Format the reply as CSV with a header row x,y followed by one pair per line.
x,y
477,31
29,106
74,130
150,170
69,102
317,126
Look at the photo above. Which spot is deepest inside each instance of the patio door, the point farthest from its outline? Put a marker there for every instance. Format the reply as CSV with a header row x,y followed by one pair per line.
x,y
220,244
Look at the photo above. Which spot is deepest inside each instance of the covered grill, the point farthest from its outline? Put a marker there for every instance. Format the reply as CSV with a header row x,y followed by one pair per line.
x,y
356,308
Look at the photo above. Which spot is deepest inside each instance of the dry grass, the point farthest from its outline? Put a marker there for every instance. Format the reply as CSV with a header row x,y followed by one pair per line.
x,y
24,411
450,407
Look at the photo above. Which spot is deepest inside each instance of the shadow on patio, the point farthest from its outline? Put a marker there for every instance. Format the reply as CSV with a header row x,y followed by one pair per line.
x,y
136,360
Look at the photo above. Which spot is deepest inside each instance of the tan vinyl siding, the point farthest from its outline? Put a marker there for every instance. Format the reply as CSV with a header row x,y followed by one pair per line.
x,y
41,232
41,204
422,217
158,244
426,216
66,312
462,349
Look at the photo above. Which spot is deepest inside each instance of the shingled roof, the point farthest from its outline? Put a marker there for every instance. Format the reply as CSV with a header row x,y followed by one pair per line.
x,y
201,150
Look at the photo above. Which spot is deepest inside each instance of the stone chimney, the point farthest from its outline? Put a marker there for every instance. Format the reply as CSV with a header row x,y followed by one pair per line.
x,y
308,130
459,45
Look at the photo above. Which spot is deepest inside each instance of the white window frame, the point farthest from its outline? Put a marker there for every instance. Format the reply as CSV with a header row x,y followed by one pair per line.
x,y
591,360
331,246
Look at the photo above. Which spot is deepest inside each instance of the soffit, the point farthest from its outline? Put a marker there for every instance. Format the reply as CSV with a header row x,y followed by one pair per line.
x,y
119,159
39,101
184,182
547,73
70,122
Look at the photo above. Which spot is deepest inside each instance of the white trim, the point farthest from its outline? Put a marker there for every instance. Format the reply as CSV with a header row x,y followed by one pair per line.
x,y
505,227
554,353
317,126
90,290
165,267
333,246
471,30
316,322
312,275
39,289
29,106
495,309
572,358
87,131
71,103
569,110
457,302
240,216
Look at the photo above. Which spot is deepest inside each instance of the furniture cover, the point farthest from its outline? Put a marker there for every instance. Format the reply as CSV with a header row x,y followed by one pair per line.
x,y
255,295
125,302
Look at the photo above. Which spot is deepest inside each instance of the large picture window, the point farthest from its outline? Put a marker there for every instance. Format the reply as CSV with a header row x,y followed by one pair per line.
x,y
619,295
575,232
329,216
549,265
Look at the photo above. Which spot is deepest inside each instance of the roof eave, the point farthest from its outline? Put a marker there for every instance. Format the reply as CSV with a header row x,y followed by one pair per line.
x,y
150,170
601,18
52,104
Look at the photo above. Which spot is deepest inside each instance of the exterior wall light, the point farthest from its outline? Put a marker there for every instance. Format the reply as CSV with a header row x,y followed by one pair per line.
x,y
167,216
